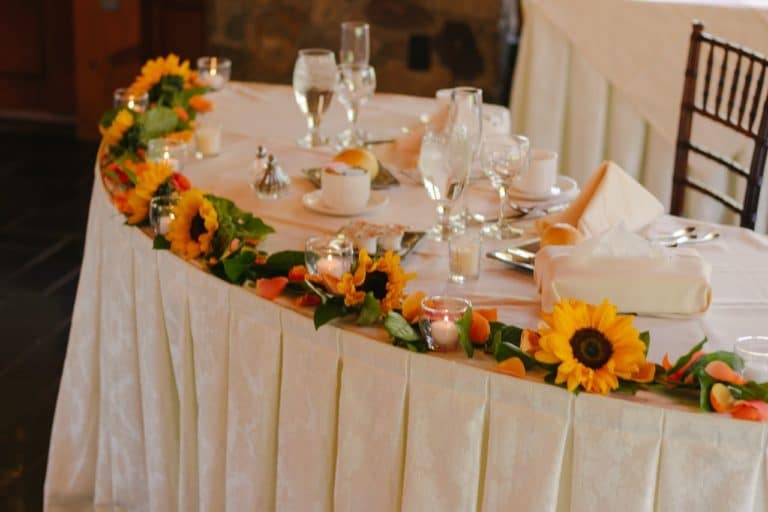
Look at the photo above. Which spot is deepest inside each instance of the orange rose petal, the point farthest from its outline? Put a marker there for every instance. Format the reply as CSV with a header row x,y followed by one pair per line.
x,y
751,410
645,372
720,370
271,288
512,366
491,314
665,362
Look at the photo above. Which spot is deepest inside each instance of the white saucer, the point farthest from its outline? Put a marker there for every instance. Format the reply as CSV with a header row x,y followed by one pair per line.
x,y
313,202
563,187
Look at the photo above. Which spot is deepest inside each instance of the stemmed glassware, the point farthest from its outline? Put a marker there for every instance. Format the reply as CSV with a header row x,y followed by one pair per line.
x,y
355,85
355,43
446,157
503,158
314,80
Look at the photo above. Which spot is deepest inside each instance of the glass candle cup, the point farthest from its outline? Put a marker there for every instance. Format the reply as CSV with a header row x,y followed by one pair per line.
x,y
754,351
464,257
207,137
123,97
161,214
328,256
173,152
214,72
437,323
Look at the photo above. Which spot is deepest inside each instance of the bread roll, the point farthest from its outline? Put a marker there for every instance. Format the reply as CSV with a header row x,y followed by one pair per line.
x,y
560,234
360,158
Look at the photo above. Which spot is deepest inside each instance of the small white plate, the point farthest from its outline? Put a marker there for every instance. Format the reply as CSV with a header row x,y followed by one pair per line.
x,y
564,186
313,202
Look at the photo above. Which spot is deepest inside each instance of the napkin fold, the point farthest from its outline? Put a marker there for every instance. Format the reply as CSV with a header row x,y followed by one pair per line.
x,y
610,197
634,274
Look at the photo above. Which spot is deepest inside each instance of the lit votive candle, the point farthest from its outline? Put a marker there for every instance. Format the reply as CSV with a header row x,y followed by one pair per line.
x,y
172,152
328,256
753,350
161,214
330,266
123,97
214,71
437,323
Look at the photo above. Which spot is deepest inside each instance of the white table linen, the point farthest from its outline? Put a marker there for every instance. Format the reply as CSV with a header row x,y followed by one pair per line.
x,y
182,392
603,79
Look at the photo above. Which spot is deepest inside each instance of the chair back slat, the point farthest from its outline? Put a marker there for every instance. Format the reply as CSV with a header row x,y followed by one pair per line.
x,y
734,86
756,97
749,67
745,92
721,81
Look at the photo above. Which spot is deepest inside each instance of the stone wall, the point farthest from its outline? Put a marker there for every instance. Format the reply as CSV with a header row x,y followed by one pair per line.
x,y
454,42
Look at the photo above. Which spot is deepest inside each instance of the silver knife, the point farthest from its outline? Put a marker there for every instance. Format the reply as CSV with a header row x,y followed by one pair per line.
x,y
510,259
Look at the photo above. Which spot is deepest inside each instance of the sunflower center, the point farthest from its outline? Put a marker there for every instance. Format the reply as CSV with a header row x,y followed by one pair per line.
x,y
196,227
591,348
376,282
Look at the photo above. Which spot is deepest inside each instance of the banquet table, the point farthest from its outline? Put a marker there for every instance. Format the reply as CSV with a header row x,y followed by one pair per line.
x,y
183,392
599,79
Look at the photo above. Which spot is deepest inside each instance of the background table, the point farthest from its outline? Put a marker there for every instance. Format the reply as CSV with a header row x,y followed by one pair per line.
x,y
181,392
601,79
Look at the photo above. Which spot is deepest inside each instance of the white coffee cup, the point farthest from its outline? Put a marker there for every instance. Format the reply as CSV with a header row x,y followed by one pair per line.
x,y
345,189
541,174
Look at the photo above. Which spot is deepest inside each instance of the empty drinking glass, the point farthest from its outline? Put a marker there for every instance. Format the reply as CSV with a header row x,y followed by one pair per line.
x,y
503,158
314,80
465,115
355,43
355,85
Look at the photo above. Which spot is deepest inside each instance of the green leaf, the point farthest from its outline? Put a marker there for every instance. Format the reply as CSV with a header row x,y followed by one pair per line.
x,y
158,122
507,350
730,358
329,310
371,310
645,337
161,243
235,223
464,325
682,361
237,265
750,391
399,328
705,385
284,261
627,386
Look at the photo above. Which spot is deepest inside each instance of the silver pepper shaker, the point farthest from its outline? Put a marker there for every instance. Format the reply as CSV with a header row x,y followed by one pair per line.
x,y
272,182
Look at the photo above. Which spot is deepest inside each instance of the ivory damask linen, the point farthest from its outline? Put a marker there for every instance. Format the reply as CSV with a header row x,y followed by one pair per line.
x,y
181,392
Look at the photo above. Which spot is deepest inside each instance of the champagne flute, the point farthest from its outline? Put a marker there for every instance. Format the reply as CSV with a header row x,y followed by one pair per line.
x,y
504,157
314,80
444,167
355,85
465,113
355,43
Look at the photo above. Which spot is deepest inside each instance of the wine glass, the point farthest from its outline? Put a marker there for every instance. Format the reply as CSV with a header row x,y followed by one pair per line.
x,y
503,158
355,85
314,80
355,43
444,166
465,113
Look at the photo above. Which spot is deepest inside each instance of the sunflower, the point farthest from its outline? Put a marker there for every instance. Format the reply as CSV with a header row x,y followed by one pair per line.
x,y
156,69
148,181
120,124
592,346
191,232
383,277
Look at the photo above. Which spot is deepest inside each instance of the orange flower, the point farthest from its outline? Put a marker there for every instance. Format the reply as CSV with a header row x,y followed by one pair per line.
x,y
199,103
513,366
412,306
181,113
183,135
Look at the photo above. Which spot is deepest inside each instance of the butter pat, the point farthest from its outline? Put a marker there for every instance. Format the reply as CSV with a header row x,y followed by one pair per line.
x,y
633,274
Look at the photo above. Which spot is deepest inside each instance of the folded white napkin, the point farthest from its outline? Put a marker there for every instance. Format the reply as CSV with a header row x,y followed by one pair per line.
x,y
610,197
634,274
403,153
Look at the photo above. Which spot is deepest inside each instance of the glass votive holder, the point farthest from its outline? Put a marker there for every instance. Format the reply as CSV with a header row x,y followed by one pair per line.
x,y
161,214
464,257
754,351
326,256
207,137
123,97
437,323
173,152
214,71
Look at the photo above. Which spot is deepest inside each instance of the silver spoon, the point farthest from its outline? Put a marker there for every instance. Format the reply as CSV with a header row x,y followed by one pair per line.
x,y
692,238
685,231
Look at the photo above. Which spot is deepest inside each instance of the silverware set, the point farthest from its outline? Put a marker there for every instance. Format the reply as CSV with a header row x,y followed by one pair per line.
x,y
687,235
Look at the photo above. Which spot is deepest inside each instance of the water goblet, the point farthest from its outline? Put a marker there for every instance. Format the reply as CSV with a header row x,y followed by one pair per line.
x,y
355,85
503,158
465,114
355,43
444,166
314,80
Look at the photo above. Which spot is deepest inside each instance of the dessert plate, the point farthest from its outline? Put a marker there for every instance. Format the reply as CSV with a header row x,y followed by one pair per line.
x,y
312,201
564,187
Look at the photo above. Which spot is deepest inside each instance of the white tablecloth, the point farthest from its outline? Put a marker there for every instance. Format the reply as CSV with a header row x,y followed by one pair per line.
x,y
181,392
601,79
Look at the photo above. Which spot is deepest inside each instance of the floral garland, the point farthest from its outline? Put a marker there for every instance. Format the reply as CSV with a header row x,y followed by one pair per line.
x,y
579,346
